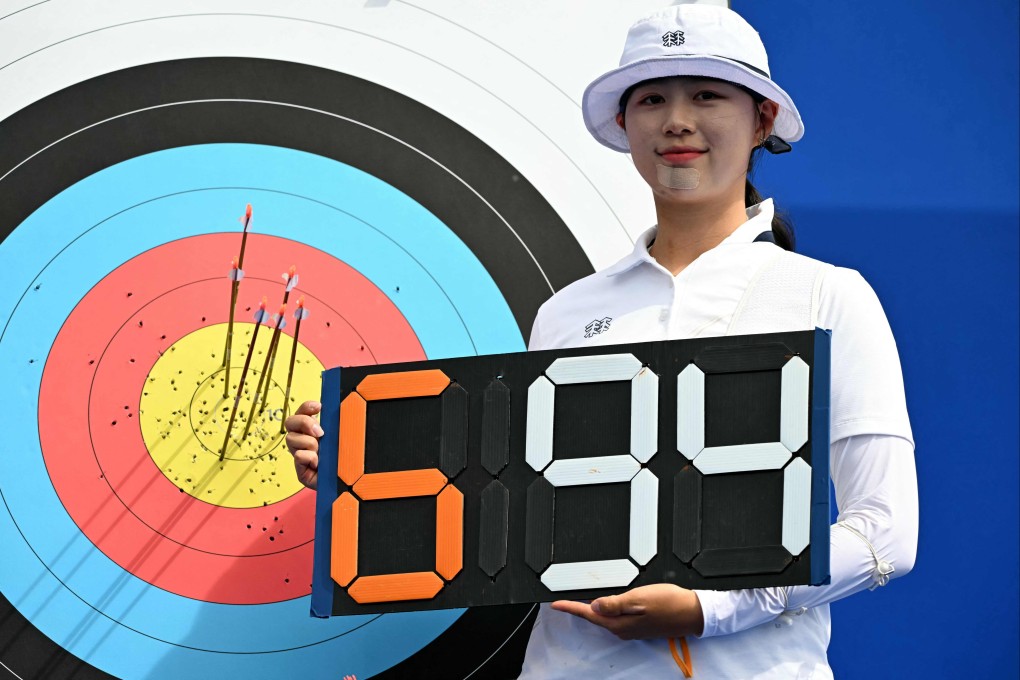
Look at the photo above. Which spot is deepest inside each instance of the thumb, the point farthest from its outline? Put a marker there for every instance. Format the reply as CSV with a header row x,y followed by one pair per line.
x,y
617,605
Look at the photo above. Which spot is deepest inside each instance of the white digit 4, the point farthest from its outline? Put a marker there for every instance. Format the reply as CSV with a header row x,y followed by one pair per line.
x,y
793,434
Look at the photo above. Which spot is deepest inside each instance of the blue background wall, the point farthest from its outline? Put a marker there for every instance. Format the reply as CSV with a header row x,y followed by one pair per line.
x,y
908,172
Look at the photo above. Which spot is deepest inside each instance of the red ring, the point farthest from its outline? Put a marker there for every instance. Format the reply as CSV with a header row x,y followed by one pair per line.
x,y
103,473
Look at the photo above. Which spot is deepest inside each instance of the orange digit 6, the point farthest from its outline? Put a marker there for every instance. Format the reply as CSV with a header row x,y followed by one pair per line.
x,y
421,585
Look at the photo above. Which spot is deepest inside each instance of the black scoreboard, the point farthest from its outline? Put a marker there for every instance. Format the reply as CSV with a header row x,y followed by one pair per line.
x,y
574,473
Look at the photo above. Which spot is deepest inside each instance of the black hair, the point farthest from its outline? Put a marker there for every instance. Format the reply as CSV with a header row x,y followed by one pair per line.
x,y
782,228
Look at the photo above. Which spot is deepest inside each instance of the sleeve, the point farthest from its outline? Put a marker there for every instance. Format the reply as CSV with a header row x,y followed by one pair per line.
x,y
535,343
545,319
875,536
867,380
871,463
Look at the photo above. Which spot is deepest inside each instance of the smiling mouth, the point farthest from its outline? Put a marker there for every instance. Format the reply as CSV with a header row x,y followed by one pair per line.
x,y
681,155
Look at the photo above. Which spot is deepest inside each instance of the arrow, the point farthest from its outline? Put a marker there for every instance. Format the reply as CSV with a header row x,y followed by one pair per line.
x,y
236,274
281,320
291,279
299,314
260,318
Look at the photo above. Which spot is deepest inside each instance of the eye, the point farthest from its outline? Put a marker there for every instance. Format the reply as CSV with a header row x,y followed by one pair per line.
x,y
650,99
707,95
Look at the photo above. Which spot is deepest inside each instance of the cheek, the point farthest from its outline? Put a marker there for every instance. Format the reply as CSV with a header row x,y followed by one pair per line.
x,y
732,139
734,127
642,150
636,132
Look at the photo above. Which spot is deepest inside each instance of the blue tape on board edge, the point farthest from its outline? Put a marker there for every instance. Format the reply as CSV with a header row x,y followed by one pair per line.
x,y
820,457
322,582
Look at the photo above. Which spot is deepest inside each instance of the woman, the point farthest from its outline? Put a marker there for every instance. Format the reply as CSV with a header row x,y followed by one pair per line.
x,y
691,102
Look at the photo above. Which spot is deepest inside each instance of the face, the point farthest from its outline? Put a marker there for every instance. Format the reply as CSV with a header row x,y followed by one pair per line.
x,y
705,124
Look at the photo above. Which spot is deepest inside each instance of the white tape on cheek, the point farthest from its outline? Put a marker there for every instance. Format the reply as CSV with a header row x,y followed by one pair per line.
x,y
678,178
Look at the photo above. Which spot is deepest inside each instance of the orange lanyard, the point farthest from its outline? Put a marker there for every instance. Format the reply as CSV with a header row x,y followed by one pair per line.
x,y
683,662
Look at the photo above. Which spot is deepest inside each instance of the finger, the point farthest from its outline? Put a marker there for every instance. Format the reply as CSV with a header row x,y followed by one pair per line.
x,y
620,626
306,459
580,609
301,442
306,466
309,408
617,605
308,478
303,424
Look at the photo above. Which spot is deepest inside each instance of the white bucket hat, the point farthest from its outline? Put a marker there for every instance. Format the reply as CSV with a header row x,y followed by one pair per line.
x,y
686,40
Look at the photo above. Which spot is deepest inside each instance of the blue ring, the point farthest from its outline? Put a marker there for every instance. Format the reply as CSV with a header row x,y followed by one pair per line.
x,y
86,231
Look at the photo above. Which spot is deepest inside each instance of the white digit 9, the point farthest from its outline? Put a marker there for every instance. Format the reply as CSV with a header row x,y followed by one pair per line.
x,y
644,486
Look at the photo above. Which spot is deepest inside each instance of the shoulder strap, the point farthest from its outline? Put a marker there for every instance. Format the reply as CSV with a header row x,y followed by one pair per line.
x,y
782,296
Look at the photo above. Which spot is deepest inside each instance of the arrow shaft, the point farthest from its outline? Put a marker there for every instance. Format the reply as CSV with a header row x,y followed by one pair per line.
x,y
272,365
258,389
272,351
240,387
290,374
244,242
230,336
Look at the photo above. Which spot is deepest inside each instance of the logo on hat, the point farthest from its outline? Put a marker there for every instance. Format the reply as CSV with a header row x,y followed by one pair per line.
x,y
672,38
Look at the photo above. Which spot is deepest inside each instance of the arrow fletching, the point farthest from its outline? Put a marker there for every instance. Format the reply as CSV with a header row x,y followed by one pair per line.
x,y
246,218
280,318
301,312
261,316
291,278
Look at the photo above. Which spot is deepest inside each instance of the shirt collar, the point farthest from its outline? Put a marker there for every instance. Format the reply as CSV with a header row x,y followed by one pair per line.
x,y
759,219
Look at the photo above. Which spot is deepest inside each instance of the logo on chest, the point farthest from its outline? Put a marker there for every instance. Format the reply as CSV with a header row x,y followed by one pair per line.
x,y
597,326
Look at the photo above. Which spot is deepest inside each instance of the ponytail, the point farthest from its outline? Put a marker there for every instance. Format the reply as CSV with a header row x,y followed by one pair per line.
x,y
782,230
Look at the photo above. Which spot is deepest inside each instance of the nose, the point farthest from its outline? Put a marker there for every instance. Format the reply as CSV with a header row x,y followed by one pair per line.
x,y
679,118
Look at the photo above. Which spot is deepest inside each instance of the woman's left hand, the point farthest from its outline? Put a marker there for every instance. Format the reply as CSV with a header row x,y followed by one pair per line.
x,y
661,610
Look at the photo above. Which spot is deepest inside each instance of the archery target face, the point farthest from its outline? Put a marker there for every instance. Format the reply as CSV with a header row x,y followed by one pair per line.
x,y
131,545
427,170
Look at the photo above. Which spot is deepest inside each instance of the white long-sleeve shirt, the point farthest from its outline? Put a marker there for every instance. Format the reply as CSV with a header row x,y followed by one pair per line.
x,y
764,632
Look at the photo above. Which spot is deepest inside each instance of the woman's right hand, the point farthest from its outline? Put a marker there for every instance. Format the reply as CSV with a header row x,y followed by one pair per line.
x,y
303,432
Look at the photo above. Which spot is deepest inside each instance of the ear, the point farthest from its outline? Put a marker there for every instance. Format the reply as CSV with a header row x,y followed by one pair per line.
x,y
619,121
767,112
